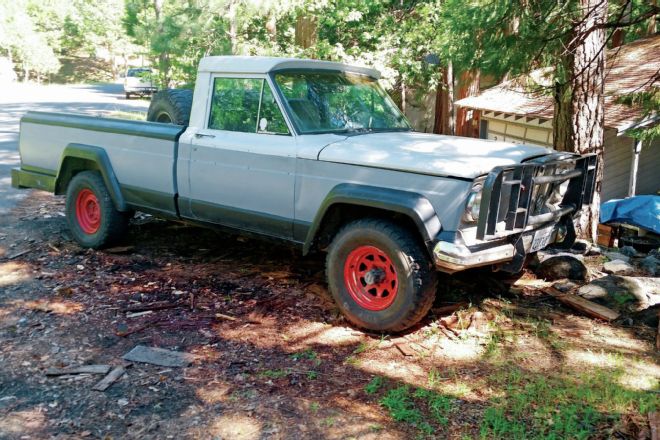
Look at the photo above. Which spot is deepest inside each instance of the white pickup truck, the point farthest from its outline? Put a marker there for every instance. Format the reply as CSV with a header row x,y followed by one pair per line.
x,y
316,154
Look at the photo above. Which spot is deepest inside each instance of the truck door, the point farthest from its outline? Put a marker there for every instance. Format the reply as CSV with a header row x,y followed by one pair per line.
x,y
242,163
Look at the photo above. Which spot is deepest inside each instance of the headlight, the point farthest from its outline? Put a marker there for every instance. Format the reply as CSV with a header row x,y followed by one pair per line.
x,y
473,204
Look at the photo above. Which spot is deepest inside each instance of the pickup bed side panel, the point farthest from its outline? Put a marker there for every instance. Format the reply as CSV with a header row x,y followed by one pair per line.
x,y
316,181
142,154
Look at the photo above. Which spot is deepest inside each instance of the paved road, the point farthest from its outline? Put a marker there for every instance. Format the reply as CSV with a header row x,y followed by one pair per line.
x,y
16,99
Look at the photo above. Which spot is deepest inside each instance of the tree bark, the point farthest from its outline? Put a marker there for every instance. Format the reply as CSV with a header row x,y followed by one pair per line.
x,y
468,85
305,35
579,115
443,123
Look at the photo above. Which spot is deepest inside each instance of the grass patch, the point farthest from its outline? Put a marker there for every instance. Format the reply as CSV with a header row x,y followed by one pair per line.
x,y
374,385
273,374
420,408
577,406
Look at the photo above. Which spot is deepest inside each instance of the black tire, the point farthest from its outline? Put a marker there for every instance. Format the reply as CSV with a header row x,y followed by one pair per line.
x,y
171,106
111,225
417,279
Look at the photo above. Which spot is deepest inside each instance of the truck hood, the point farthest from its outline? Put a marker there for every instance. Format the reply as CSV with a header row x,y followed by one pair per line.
x,y
428,153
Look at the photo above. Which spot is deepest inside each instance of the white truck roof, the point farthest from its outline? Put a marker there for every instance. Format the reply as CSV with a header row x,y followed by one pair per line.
x,y
246,64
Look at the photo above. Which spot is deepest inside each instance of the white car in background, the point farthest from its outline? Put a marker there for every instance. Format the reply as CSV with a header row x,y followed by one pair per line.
x,y
139,81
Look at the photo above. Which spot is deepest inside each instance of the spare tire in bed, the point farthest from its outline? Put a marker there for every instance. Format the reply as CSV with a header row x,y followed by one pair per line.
x,y
171,106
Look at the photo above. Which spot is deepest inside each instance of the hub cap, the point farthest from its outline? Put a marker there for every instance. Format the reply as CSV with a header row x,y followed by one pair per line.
x,y
88,211
370,278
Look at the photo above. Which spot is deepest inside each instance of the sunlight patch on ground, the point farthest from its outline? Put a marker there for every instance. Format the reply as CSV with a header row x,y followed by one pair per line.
x,y
646,376
213,393
461,350
13,273
57,307
22,422
612,339
410,372
235,426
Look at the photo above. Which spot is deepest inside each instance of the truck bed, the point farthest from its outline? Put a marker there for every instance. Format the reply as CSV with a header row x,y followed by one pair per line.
x,y
142,154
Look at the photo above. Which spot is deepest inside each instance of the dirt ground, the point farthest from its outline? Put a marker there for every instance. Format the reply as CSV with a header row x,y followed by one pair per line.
x,y
275,360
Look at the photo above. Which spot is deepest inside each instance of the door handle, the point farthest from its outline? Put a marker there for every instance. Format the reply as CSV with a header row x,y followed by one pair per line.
x,y
204,135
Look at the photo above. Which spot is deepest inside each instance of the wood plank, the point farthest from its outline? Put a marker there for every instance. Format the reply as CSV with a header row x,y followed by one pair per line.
x,y
159,356
109,379
81,369
585,306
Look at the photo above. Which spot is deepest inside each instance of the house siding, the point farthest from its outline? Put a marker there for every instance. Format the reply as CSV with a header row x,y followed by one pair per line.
x,y
648,175
618,159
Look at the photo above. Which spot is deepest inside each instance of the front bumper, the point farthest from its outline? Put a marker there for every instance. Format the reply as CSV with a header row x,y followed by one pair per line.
x,y
452,257
514,218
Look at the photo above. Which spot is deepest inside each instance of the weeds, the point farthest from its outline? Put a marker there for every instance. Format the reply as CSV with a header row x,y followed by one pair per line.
x,y
374,385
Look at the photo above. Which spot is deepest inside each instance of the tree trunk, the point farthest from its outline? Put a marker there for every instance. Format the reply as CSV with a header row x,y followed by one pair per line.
x,y
305,35
468,86
443,123
579,116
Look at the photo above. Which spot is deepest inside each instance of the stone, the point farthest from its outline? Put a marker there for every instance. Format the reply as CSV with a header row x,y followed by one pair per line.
x,y
619,290
562,266
617,256
618,267
581,247
649,264
628,251
565,286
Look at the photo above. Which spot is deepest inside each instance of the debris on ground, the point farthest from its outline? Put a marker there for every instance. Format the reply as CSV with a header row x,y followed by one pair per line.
x,y
111,378
585,306
81,369
159,356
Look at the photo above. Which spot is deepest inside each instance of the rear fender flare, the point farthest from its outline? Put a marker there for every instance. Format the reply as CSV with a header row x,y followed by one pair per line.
x,y
82,157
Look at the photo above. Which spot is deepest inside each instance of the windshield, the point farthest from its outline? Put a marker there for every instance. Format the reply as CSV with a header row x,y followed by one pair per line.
x,y
331,102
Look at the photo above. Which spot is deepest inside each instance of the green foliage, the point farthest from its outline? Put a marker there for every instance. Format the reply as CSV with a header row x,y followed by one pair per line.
x,y
557,406
374,385
273,374
649,102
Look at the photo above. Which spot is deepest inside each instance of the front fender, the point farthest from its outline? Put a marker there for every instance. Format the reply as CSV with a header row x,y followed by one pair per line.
x,y
413,205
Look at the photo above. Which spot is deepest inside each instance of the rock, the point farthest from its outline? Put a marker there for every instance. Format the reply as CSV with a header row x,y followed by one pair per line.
x,y
628,251
581,247
617,256
650,265
594,250
565,286
562,266
618,267
620,290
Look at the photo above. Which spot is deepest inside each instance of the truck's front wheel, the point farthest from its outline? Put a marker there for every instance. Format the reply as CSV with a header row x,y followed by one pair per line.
x,y
93,220
380,276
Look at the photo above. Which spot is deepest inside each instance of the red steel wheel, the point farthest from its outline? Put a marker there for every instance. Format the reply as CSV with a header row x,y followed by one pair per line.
x,y
88,211
370,278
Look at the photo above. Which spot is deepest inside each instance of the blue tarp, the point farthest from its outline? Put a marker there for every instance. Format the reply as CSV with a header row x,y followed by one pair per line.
x,y
641,211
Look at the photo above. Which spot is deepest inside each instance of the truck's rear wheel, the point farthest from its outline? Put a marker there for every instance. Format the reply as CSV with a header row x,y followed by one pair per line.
x,y
380,276
171,106
93,220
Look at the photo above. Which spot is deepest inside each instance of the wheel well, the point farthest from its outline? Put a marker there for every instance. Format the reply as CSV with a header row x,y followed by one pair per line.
x,y
70,167
340,214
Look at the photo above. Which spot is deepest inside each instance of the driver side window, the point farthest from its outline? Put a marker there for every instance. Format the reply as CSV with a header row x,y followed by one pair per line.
x,y
245,105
